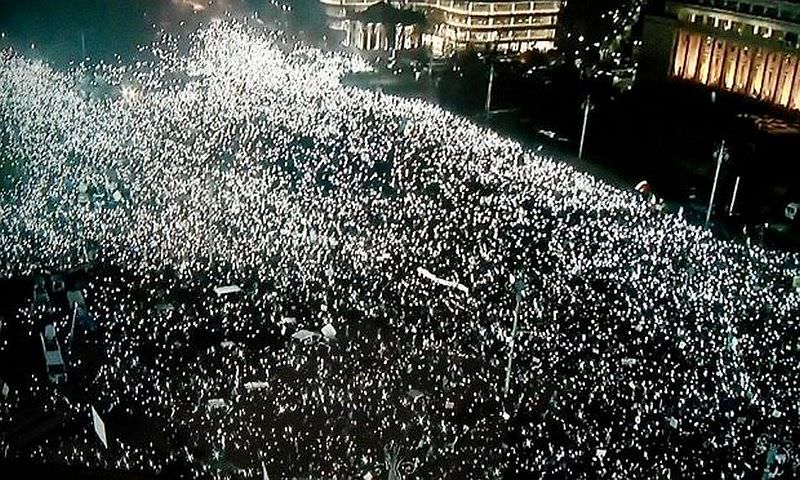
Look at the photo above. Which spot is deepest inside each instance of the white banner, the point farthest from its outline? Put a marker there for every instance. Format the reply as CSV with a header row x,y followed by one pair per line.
x,y
220,291
447,283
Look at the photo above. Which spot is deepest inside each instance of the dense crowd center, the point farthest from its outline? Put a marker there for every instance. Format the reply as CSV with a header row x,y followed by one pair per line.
x,y
646,347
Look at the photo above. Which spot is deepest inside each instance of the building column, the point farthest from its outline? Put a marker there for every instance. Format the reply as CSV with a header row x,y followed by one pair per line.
x,y
696,58
794,102
717,60
743,69
751,89
785,80
729,65
703,59
399,35
679,57
764,73
790,103
787,75
773,67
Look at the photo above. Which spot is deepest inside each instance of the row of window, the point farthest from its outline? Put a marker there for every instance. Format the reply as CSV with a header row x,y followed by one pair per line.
x,y
466,35
790,38
497,7
776,10
501,21
461,7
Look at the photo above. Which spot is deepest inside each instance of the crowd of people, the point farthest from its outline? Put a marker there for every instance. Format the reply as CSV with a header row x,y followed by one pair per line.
x,y
645,347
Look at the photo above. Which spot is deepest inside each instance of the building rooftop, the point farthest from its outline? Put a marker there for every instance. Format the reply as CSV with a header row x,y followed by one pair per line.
x,y
383,12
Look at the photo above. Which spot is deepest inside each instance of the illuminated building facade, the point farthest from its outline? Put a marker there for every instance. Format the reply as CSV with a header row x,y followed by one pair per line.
x,y
453,25
748,47
384,27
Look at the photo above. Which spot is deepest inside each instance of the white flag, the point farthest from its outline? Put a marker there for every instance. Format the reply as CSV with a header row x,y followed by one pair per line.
x,y
99,427
328,331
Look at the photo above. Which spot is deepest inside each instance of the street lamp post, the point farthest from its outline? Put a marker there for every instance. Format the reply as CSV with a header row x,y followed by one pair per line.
x,y
586,107
489,88
511,348
519,286
733,197
720,156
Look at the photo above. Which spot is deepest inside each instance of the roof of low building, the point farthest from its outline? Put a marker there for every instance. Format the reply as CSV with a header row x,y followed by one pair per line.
x,y
383,12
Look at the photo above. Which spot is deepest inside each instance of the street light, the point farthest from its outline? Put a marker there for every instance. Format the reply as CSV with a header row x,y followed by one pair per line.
x,y
519,286
489,88
733,197
587,105
722,155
